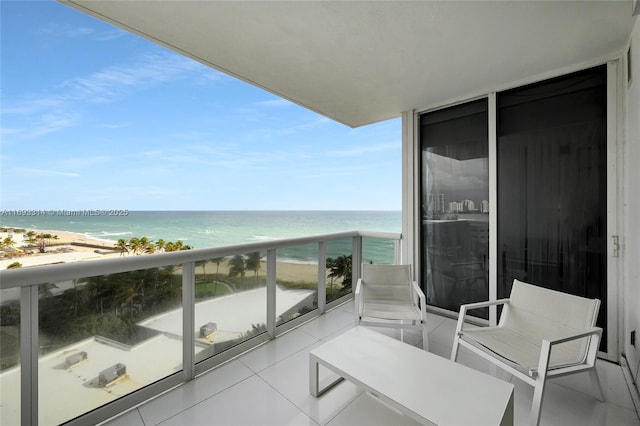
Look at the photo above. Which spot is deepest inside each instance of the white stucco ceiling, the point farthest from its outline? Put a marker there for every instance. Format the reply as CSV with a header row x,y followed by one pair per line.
x,y
360,62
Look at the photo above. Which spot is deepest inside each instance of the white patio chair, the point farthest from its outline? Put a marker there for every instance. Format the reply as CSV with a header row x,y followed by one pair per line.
x,y
542,334
386,293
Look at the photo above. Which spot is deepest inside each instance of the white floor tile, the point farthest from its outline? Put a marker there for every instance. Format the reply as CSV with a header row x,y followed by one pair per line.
x,y
130,418
251,402
367,410
441,338
194,392
611,379
564,406
278,394
325,325
290,377
276,350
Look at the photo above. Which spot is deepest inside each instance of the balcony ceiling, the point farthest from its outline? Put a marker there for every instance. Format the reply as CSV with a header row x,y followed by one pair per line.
x,y
362,62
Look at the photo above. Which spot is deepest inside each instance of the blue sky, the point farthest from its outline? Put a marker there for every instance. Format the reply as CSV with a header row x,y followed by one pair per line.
x,y
96,118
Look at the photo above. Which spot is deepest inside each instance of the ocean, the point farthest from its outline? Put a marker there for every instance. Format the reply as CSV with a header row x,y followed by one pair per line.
x,y
204,229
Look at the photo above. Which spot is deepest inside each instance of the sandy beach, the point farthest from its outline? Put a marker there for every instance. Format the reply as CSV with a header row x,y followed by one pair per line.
x,y
73,247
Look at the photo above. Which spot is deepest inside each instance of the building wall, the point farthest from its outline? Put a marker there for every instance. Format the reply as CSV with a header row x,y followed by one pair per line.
x,y
632,216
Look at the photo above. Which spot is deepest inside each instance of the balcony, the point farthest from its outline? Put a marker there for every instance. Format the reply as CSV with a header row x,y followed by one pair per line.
x,y
269,385
86,340
236,354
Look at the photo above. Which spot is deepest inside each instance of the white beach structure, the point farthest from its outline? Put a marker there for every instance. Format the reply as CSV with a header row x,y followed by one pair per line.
x,y
233,315
145,362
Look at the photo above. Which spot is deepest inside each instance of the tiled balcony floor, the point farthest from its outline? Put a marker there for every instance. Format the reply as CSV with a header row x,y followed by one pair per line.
x,y
269,386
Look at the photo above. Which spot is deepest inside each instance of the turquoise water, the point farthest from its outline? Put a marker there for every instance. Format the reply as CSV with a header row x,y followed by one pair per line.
x,y
203,229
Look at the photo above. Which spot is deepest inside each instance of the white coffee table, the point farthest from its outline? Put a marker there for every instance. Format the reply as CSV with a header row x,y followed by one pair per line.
x,y
424,386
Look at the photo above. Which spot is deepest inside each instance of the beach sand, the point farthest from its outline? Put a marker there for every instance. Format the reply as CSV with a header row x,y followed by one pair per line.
x,y
73,247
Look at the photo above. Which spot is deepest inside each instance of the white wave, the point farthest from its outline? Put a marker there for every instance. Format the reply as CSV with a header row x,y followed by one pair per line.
x,y
264,238
110,234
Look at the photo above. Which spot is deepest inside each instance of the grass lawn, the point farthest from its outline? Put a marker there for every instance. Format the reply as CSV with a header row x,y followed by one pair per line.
x,y
210,289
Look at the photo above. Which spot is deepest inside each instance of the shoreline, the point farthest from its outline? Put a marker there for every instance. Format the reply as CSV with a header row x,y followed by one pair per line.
x,y
76,247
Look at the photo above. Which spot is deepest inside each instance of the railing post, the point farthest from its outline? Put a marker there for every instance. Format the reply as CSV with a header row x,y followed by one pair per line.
x,y
29,344
397,252
322,276
188,319
356,259
271,293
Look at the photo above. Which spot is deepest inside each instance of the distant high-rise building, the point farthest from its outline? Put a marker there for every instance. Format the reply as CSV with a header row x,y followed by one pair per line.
x,y
435,203
485,206
468,205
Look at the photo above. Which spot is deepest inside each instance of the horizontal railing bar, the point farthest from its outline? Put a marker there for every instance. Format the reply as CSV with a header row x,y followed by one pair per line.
x,y
12,278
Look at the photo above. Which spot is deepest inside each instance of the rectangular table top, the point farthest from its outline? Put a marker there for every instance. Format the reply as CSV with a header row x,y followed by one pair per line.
x,y
429,386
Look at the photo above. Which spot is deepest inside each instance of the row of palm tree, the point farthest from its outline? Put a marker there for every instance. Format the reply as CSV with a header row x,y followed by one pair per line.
x,y
239,264
7,243
144,245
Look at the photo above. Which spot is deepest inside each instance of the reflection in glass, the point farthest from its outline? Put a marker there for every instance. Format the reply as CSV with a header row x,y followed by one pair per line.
x,y
104,337
230,307
378,250
552,186
296,282
10,357
455,205
339,268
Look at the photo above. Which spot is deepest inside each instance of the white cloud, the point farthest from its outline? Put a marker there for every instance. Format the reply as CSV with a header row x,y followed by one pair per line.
x,y
274,103
43,172
64,104
359,151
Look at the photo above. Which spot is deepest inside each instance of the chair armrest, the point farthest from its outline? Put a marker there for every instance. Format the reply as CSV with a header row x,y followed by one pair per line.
x,y
464,308
423,300
592,350
485,304
358,287
357,295
574,336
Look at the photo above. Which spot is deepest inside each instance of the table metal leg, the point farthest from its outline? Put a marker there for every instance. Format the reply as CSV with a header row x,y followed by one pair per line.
x,y
314,381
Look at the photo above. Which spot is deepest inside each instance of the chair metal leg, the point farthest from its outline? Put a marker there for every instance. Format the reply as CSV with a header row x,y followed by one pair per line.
x,y
425,338
536,405
454,349
541,379
596,382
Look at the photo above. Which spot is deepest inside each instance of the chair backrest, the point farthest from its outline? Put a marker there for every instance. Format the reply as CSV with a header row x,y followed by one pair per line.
x,y
542,313
389,282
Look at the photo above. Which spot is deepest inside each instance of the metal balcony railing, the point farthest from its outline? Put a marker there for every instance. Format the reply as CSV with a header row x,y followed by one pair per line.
x,y
98,337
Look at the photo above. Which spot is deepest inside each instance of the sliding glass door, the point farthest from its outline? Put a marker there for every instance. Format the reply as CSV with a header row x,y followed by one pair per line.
x,y
551,186
455,200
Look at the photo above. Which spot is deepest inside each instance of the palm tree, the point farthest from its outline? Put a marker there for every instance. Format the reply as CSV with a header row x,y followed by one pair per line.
x,y
330,265
134,245
146,246
237,267
160,245
8,242
253,263
341,267
122,246
32,238
217,262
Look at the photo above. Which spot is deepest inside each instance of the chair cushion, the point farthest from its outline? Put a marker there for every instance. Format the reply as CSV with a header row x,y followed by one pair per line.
x,y
390,309
534,314
522,348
